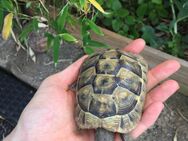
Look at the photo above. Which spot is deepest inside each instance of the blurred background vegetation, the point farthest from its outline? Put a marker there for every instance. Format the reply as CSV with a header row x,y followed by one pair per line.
x,y
162,23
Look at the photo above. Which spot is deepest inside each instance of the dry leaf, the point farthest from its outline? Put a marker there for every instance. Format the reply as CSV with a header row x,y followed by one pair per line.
x,y
32,54
175,136
7,27
97,5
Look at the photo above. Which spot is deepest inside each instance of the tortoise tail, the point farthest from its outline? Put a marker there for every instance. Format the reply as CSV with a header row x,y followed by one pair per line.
x,y
103,135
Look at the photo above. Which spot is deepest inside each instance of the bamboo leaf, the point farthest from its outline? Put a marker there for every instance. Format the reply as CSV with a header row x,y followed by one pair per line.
x,y
97,5
1,18
56,46
84,32
50,39
96,44
82,3
88,50
7,27
94,27
68,37
7,4
62,17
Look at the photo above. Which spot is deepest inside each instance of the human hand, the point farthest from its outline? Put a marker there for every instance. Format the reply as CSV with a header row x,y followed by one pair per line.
x,y
49,116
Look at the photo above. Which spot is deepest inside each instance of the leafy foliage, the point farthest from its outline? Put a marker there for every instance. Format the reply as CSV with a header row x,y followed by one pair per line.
x,y
56,20
159,22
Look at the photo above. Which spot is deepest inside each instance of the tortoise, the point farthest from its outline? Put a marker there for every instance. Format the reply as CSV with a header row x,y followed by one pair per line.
x,y
110,93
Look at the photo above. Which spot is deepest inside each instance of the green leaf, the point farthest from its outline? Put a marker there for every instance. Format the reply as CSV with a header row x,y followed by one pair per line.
x,y
157,1
130,20
96,44
68,37
71,20
183,14
171,26
109,4
7,4
149,36
88,50
54,25
140,1
141,10
62,17
116,24
82,3
134,32
84,31
56,46
108,14
162,11
32,26
122,13
163,27
116,5
107,21
94,27
178,4
50,39
153,17
1,18
185,39
125,28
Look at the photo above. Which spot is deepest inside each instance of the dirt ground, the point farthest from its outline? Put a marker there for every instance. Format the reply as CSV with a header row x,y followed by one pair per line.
x,y
172,125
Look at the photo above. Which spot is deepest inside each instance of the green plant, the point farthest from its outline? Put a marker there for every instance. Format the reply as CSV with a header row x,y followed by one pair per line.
x,y
56,20
159,22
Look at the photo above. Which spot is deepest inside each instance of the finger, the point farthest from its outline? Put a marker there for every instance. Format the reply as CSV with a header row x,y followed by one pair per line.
x,y
161,72
149,117
162,92
69,75
135,46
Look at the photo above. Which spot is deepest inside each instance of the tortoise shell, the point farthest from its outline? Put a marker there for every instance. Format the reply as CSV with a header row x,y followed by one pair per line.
x,y
110,91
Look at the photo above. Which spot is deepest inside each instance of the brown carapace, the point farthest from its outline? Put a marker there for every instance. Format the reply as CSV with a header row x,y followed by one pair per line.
x,y
111,91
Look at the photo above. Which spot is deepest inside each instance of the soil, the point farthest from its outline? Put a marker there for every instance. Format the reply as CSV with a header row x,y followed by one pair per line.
x,y
172,123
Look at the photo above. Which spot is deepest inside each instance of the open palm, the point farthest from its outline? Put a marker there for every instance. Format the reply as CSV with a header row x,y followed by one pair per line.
x,y
50,114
